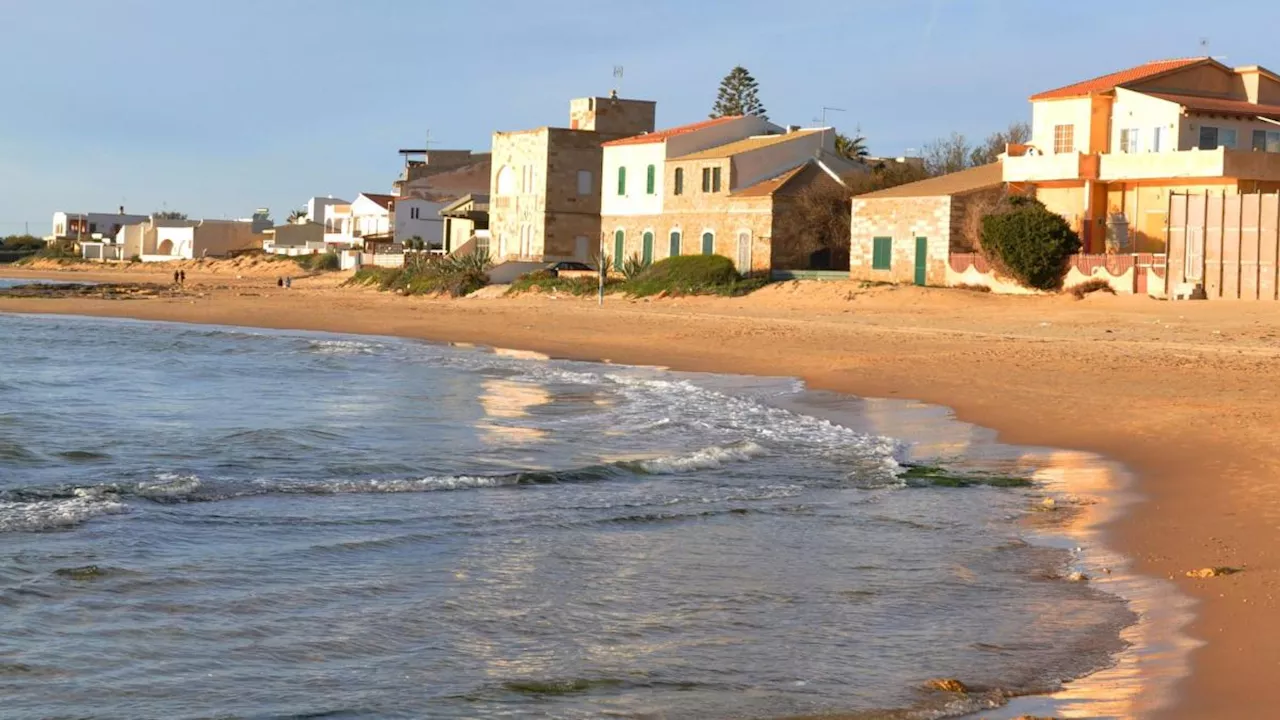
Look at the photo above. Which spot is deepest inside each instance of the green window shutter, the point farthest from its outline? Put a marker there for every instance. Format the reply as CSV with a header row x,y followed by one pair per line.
x,y
675,244
647,256
679,181
619,247
881,253
622,181
708,244
715,179
649,180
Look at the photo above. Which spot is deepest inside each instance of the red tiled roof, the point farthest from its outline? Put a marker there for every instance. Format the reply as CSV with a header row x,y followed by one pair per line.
x,y
1221,106
662,135
382,200
1106,83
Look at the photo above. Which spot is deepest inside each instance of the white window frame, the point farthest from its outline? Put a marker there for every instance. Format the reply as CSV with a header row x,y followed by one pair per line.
x,y
1130,140
1060,132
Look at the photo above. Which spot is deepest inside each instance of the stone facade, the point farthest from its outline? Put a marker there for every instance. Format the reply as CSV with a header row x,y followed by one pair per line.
x,y
726,223
612,115
903,219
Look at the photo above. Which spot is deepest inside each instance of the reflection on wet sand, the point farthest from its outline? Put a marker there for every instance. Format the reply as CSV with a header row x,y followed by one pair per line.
x,y
506,400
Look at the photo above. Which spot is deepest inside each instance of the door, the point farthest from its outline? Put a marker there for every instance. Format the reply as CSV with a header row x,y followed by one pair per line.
x,y
708,244
922,258
744,252
647,257
619,246
675,244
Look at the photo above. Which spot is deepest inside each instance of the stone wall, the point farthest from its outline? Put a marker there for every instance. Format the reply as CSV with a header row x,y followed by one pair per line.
x,y
617,116
523,207
724,219
903,220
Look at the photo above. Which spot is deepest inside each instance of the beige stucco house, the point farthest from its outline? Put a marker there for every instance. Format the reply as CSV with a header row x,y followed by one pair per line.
x,y
1106,152
719,186
160,239
544,198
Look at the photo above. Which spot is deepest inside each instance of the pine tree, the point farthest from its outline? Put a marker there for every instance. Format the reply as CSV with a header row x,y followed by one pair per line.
x,y
738,95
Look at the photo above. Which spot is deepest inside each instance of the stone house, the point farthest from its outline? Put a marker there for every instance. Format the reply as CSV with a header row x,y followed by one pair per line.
x,y
727,199
906,234
544,198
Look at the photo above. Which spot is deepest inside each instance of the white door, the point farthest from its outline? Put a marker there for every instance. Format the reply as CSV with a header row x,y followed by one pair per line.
x,y
744,251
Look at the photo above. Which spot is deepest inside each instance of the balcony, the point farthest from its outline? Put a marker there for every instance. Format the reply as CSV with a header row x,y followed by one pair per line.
x,y
1166,165
1047,168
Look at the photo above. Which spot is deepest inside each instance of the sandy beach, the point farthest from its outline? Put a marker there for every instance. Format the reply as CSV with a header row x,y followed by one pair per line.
x,y
1178,392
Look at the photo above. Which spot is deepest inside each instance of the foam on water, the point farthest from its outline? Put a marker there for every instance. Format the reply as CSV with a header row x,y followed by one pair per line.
x,y
52,514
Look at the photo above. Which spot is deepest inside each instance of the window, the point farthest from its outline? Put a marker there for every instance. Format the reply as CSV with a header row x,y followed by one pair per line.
x,y
1157,137
650,180
882,252
619,247
706,179
1266,140
1129,140
679,181
715,179
708,243
1064,138
1215,137
622,181
482,244
506,181
584,182
646,246
674,250
413,213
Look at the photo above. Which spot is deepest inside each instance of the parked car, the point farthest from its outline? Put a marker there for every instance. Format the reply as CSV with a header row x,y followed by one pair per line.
x,y
556,267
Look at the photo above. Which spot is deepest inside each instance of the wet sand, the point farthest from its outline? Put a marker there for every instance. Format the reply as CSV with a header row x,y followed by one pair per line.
x,y
1180,393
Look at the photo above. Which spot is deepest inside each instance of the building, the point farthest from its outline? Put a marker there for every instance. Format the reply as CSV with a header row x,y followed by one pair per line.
x,y
544,198
725,186
906,234
318,208
418,218
303,238
466,224
161,239
431,172
1106,153
84,226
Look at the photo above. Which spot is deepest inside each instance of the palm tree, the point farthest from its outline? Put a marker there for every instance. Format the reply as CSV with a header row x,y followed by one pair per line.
x,y
851,148
297,216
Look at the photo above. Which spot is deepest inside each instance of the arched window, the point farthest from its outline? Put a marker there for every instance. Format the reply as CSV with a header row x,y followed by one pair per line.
x,y
506,181
744,251
619,248
675,242
646,255
708,243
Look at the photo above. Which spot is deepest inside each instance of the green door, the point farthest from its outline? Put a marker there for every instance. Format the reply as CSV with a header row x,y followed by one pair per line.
x,y
675,244
648,248
922,257
619,247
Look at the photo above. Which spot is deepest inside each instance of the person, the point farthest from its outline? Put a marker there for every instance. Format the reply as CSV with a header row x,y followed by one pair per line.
x,y
279,282
182,277
175,277
288,282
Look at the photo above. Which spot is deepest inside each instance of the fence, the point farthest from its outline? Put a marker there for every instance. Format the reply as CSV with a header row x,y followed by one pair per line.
x,y
1227,244
1127,274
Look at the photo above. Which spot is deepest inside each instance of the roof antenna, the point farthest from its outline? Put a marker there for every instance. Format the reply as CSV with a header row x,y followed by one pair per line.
x,y
617,81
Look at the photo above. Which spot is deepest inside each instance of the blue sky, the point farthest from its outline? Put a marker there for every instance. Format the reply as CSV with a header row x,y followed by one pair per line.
x,y
215,108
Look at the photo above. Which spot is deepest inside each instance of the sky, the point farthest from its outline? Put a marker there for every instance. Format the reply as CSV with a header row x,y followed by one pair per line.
x,y
214,108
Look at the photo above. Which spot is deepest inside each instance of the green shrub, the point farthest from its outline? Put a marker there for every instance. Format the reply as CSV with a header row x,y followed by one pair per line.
x,y
545,281
691,275
633,266
428,275
318,262
1030,243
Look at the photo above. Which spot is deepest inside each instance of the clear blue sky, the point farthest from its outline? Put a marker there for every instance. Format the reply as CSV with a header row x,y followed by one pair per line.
x,y
215,108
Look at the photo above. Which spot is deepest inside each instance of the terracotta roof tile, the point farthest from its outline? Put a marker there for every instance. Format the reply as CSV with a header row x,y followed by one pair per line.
x,y
1106,83
746,145
956,183
1221,106
662,135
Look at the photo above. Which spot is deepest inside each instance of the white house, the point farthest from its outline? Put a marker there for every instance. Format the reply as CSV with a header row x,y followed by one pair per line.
x,y
371,215
83,226
318,208
418,217
632,181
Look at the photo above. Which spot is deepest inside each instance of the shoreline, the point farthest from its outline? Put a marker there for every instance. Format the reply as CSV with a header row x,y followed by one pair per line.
x,y
910,343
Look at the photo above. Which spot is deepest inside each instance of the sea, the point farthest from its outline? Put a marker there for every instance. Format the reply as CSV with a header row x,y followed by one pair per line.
x,y
223,522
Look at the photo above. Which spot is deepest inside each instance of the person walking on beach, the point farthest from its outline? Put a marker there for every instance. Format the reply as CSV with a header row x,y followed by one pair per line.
x,y
175,277
182,277
279,282
288,282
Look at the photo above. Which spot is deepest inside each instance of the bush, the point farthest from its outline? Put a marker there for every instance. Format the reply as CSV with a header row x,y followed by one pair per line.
x,y
545,281
633,266
452,276
318,262
1030,243
691,275
1091,285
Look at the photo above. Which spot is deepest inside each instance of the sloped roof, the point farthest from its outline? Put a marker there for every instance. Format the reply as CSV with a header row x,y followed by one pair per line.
x,y
1220,106
956,183
773,184
383,201
1109,82
746,145
662,135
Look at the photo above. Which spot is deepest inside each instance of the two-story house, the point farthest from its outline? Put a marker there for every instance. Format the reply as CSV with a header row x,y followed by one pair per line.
x,y
544,198
715,187
1105,153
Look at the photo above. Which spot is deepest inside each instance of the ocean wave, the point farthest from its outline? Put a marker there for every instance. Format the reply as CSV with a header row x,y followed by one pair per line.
x,y
342,347
704,459
57,513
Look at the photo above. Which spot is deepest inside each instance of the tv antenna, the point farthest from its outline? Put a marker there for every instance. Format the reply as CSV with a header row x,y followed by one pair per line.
x,y
617,78
826,109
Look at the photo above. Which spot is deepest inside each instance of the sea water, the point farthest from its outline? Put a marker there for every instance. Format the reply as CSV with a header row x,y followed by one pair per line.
x,y
201,522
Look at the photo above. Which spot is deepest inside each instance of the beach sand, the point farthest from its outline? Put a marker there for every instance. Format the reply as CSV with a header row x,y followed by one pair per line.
x,y
1181,393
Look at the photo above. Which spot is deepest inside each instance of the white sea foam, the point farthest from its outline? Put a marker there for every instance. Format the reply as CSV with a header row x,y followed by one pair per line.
x,y
426,484
169,485
342,347
704,459
56,513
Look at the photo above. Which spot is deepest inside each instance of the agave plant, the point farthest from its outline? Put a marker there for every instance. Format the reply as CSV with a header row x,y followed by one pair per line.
x,y
633,266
